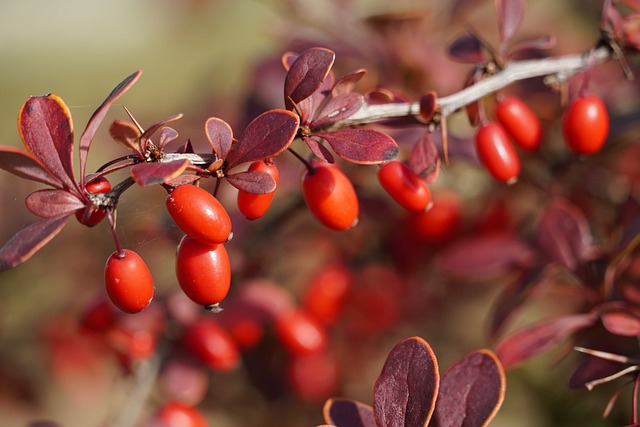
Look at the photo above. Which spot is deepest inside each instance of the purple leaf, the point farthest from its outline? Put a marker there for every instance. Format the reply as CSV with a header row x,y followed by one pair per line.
x,y
319,150
347,83
471,391
348,413
364,146
167,135
23,164
45,126
288,58
339,108
466,48
126,134
535,339
306,75
53,203
509,14
424,159
98,116
255,182
220,136
406,390
146,174
592,368
265,137
148,133
29,240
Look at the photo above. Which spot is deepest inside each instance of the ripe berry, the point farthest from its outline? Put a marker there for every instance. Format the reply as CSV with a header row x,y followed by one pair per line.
x,y
313,377
497,153
178,414
330,196
251,205
585,124
128,281
326,294
406,188
199,214
441,221
520,122
212,344
203,271
90,215
300,333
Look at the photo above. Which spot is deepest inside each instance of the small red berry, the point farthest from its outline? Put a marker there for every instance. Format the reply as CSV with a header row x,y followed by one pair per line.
x,y
177,414
497,153
251,205
203,271
330,196
406,188
301,333
91,215
441,221
585,124
128,281
326,294
199,214
313,377
520,122
212,344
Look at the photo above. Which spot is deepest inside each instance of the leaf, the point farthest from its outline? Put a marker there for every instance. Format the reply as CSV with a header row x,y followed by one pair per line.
x,y
45,126
220,136
405,392
509,14
535,339
348,413
265,137
364,146
634,4
347,83
148,133
540,43
53,203
306,74
424,159
590,369
319,150
428,106
471,391
25,165
126,134
339,108
288,58
98,116
146,174
255,182
467,49
29,240
620,319
167,135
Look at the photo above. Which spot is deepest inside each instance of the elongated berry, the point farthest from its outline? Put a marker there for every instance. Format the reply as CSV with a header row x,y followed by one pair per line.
x,y
128,281
406,188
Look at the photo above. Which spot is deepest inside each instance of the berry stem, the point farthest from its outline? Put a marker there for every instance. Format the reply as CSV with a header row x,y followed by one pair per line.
x,y
112,225
304,161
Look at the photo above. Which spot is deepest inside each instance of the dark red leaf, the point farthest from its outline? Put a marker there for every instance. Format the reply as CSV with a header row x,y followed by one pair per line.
x,y
541,43
23,164
167,135
364,146
145,174
424,159
535,339
471,391
348,413
98,116
126,134
53,203
406,390
346,83
265,137
288,58
45,126
255,182
620,319
148,133
308,107
306,75
509,14
592,368
466,48
428,106
339,108
29,240
220,136
319,150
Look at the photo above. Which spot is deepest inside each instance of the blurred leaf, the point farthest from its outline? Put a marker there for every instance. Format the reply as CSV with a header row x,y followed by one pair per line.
x,y
152,173
620,319
220,136
540,43
406,390
424,159
306,74
339,108
348,413
364,146
509,14
288,58
126,134
255,182
25,165
347,83
53,203
471,391
590,369
634,4
319,150
265,137
428,105
466,48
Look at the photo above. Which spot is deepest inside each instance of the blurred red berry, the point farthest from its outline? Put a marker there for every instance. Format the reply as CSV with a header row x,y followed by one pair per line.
x,y
496,152
212,344
585,124
519,122
300,333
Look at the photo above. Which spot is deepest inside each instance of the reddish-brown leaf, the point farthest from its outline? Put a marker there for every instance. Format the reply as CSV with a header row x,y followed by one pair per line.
x,y
98,116
364,146
428,106
53,203
25,165
345,84
471,391
29,240
45,126
319,149
255,182
167,135
424,159
148,133
288,58
593,368
535,339
466,48
509,14
126,134
406,390
306,74
339,108
220,136
145,174
265,137
620,319
348,413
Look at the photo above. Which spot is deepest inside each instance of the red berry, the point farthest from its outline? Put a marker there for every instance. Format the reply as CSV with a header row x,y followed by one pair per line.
x,y
327,292
203,271
91,215
406,188
585,124
300,333
251,205
497,153
520,122
128,281
199,214
212,344
441,221
330,196
177,414
313,377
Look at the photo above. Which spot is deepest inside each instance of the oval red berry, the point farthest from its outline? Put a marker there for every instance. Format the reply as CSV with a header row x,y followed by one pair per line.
x,y
212,344
253,206
585,124
406,188
496,152
520,122
128,281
